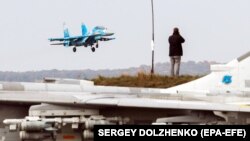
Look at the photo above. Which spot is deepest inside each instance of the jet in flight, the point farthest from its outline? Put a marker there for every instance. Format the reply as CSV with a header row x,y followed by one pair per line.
x,y
98,33
60,109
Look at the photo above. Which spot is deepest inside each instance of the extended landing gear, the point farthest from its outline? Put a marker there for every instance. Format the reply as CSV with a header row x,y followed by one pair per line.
x,y
97,45
74,49
93,47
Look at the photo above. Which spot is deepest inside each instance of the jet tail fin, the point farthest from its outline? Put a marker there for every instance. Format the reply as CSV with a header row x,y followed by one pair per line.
x,y
231,78
65,31
84,29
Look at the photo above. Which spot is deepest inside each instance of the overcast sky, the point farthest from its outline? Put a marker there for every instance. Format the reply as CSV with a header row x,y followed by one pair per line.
x,y
215,30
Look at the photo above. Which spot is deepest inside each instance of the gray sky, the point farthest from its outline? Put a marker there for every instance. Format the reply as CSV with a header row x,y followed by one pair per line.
x,y
215,30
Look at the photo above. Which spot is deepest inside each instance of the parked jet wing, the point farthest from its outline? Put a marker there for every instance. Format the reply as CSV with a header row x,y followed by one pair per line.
x,y
118,100
167,104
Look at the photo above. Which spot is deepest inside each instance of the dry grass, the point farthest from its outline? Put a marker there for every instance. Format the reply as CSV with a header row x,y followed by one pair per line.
x,y
144,80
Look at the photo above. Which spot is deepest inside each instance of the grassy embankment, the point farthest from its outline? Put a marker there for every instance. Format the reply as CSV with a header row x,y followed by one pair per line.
x,y
144,80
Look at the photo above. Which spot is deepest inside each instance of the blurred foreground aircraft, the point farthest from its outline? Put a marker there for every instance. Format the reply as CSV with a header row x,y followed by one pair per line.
x,y
57,109
98,33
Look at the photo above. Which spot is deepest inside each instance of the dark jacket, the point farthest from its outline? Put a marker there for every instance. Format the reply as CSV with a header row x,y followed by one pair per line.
x,y
175,47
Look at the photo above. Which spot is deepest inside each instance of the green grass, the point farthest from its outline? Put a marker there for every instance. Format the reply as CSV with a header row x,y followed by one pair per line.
x,y
144,80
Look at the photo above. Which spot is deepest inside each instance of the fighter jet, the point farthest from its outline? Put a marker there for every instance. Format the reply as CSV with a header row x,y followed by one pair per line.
x,y
98,33
59,109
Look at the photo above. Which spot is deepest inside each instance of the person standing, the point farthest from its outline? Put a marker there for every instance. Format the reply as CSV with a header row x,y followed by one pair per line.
x,y
175,51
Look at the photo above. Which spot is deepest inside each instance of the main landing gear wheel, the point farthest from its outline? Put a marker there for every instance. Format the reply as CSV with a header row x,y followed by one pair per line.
x,y
93,49
74,49
97,45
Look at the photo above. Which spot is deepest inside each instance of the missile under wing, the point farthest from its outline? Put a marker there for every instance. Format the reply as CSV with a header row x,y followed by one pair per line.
x,y
62,108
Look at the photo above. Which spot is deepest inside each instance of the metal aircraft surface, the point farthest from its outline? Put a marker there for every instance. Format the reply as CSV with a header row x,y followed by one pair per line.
x,y
98,33
62,109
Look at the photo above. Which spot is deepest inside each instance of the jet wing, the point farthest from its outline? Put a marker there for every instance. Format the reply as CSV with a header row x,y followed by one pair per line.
x,y
67,39
56,39
166,104
81,37
118,100
75,38
57,44
37,97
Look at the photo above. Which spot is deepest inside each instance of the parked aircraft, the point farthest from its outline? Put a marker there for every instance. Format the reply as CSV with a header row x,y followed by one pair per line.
x,y
59,109
98,33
